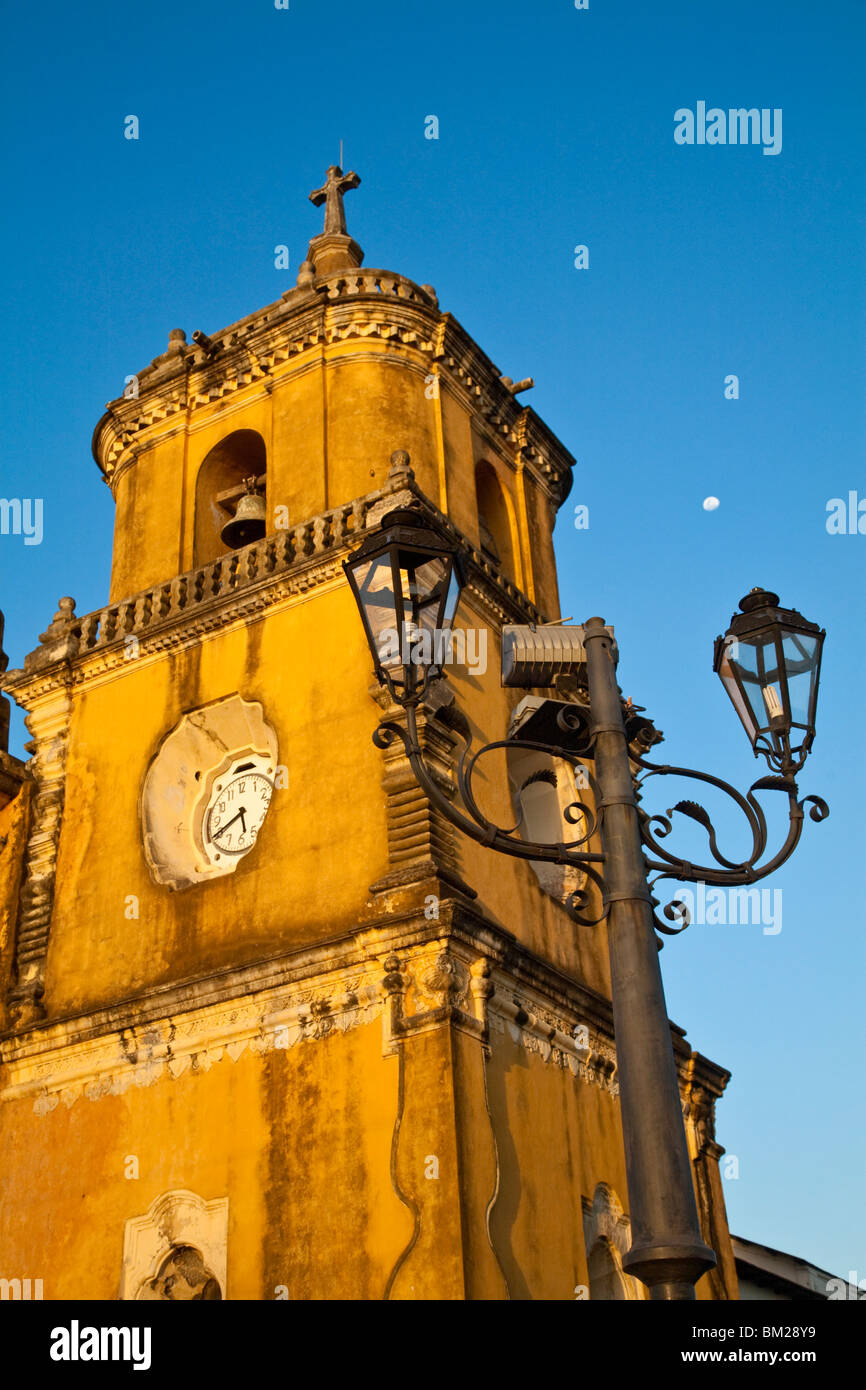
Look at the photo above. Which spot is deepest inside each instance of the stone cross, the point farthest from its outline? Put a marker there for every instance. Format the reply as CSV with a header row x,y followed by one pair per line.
x,y
331,194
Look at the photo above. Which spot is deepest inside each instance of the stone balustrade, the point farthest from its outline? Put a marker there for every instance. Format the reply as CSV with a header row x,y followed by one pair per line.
x,y
230,574
378,282
285,552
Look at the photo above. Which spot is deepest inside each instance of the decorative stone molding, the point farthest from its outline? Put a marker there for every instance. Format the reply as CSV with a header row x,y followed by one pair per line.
x,y
414,974
174,1219
701,1084
16,788
345,304
48,722
203,745
447,980
607,1232
699,1113
557,1039
604,1217
68,1062
422,844
59,642
427,990
248,350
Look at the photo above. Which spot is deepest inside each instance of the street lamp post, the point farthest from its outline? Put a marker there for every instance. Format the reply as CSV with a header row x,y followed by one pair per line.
x,y
406,579
667,1251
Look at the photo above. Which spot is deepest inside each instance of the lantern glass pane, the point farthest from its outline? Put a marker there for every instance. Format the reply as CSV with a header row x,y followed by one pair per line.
x,y
424,586
730,676
800,650
764,683
747,668
451,598
376,589
751,675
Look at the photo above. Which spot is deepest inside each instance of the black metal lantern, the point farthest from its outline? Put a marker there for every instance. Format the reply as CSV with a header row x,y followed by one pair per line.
x,y
769,662
406,579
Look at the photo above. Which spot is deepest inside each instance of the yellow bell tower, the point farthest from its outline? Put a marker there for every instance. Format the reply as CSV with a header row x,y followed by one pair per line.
x,y
283,1029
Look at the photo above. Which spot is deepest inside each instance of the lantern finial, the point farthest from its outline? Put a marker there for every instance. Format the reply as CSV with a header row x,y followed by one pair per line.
x,y
759,598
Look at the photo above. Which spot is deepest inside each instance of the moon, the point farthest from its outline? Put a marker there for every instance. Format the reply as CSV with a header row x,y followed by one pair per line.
x,y
710,504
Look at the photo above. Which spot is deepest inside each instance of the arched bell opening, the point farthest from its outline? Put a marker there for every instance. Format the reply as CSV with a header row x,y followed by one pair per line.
x,y
495,520
230,496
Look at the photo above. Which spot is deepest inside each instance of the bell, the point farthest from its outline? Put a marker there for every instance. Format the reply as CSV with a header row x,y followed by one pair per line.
x,y
248,523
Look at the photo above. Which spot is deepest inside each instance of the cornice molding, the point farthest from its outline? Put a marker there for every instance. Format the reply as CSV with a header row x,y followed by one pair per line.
x,y
363,304
458,971
415,975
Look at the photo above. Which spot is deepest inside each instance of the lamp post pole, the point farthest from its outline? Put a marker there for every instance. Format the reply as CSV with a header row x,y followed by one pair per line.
x,y
667,1251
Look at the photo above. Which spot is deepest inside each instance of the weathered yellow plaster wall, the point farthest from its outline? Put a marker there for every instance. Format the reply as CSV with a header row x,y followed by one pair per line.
x,y
299,1141
323,842
308,666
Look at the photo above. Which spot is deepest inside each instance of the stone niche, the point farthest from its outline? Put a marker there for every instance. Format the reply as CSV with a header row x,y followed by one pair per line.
x,y
179,1229
203,747
607,1233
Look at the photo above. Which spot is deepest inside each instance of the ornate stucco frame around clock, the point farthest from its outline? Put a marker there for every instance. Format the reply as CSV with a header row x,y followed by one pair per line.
x,y
180,774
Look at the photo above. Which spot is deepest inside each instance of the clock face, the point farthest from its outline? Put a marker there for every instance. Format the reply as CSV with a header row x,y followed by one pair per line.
x,y
236,812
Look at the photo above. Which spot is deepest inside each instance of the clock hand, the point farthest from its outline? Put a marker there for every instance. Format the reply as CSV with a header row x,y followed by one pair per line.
x,y
240,815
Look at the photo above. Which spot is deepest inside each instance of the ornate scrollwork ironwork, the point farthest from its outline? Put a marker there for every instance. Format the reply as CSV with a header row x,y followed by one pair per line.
x,y
469,817
573,721
724,872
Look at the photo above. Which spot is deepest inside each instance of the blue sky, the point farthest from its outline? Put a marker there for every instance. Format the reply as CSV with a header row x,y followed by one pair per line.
x,y
555,129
